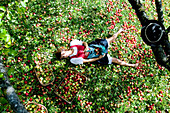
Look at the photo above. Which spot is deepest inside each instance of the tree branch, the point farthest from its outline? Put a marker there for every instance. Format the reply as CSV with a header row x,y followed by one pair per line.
x,y
159,10
137,6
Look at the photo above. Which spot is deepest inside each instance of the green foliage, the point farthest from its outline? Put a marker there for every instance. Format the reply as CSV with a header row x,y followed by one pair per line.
x,y
1,75
3,100
31,31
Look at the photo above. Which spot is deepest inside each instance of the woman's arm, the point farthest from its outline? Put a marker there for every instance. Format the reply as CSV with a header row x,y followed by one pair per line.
x,y
86,46
93,59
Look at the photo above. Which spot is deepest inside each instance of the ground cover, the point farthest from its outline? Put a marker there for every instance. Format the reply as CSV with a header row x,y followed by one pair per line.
x,y
33,30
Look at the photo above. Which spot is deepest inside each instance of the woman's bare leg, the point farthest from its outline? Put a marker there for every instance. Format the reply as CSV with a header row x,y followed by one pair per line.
x,y
111,39
117,61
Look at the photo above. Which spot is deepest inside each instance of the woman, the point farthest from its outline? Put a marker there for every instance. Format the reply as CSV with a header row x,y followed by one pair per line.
x,y
95,52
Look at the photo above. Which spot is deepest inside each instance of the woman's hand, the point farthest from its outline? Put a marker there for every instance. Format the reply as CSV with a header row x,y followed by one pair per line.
x,y
121,30
138,64
87,48
101,56
93,59
86,53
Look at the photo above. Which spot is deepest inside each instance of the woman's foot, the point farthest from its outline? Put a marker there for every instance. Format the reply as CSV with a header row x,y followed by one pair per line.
x,y
138,64
121,30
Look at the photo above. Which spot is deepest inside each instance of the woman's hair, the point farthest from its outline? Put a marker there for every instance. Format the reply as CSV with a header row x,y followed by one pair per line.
x,y
58,53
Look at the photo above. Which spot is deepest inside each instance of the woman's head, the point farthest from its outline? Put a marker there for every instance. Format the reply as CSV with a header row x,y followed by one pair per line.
x,y
62,53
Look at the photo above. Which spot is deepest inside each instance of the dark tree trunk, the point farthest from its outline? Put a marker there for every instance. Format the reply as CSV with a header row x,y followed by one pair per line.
x,y
11,96
161,58
160,50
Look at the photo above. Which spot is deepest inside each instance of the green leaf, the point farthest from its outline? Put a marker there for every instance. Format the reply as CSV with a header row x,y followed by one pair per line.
x,y
52,109
11,71
1,15
27,68
5,51
25,0
23,3
3,100
23,9
12,79
1,108
13,52
12,3
9,15
2,8
7,38
0,22
1,75
3,31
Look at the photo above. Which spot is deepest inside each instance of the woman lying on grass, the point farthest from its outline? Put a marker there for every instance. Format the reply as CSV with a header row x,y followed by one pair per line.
x,y
94,52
